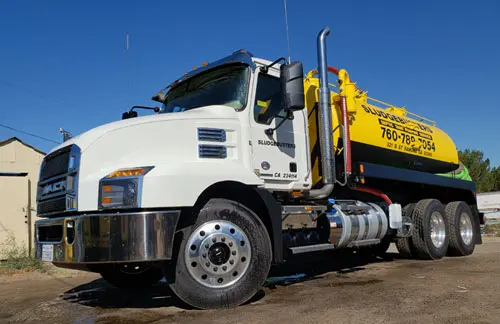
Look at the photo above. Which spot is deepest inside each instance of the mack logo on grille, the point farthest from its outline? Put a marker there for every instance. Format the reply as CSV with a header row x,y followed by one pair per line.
x,y
54,187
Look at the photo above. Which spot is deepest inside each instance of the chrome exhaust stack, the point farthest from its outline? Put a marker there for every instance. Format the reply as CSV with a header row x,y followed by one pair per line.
x,y
325,122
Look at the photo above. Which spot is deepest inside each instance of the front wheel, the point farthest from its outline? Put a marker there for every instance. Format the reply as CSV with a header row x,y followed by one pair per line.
x,y
223,259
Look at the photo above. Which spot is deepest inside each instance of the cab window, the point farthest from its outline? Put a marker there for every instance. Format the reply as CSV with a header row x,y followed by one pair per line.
x,y
267,99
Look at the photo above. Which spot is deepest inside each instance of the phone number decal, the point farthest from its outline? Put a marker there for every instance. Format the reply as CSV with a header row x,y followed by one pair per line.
x,y
407,139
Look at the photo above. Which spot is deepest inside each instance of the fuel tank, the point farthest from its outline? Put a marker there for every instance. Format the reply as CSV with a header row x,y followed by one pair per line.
x,y
389,136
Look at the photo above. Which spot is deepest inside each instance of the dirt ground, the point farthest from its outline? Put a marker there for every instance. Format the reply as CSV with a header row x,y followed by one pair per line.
x,y
451,290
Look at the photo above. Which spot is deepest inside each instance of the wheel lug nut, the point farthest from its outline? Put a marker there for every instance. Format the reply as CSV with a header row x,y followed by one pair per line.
x,y
233,253
230,243
214,240
215,269
224,268
204,255
223,239
231,261
207,264
207,246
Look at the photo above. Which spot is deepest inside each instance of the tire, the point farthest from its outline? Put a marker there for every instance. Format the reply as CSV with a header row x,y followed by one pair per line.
x,y
117,276
461,228
226,272
404,244
429,214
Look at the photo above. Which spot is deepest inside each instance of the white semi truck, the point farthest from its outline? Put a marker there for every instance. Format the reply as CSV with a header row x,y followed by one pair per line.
x,y
246,162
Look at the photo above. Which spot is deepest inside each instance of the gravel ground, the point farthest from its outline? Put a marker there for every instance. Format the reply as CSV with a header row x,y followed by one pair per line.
x,y
392,290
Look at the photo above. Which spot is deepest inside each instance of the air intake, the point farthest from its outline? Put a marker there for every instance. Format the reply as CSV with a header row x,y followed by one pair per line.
x,y
212,151
211,134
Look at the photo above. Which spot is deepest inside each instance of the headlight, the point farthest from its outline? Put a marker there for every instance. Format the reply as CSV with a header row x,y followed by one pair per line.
x,y
122,188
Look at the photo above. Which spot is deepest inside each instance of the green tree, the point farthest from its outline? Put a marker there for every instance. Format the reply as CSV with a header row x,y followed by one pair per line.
x,y
495,176
479,170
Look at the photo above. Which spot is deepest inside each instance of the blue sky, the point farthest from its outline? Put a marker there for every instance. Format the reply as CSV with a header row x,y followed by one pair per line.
x,y
63,63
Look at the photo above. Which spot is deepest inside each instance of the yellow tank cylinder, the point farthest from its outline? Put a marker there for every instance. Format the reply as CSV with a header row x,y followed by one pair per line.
x,y
390,136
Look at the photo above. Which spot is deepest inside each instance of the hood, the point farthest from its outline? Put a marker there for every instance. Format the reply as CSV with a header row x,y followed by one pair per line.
x,y
85,139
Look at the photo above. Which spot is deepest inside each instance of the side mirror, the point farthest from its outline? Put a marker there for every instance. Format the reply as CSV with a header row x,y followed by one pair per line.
x,y
292,86
129,114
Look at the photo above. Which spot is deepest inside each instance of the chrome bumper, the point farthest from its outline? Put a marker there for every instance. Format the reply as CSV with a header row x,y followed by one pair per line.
x,y
87,239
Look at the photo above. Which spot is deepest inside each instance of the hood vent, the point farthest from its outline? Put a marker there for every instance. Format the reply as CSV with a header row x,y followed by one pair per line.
x,y
212,151
211,134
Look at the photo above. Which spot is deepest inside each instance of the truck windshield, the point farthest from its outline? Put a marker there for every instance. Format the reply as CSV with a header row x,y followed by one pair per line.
x,y
226,85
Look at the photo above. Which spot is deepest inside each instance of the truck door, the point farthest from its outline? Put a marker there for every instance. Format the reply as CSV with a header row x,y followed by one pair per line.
x,y
281,158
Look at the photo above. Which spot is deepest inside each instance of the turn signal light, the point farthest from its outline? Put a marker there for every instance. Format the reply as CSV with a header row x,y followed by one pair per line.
x,y
106,200
134,172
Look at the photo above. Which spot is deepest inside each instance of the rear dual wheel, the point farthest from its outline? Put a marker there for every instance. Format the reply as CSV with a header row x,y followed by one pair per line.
x,y
430,234
461,224
404,244
438,232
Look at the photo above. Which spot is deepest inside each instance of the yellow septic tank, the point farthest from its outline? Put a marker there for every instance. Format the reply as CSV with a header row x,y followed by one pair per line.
x,y
389,136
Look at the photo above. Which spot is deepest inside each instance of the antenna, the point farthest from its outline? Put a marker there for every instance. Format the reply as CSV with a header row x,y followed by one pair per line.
x,y
127,69
287,38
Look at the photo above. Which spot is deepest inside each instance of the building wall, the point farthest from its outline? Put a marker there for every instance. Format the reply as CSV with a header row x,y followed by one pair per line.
x,y
18,193
17,157
14,221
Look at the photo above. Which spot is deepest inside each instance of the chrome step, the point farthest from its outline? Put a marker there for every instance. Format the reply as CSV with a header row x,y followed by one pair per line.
x,y
312,248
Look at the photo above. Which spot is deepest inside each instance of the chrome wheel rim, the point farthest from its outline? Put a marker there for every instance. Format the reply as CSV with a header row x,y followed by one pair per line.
x,y
465,226
217,254
438,229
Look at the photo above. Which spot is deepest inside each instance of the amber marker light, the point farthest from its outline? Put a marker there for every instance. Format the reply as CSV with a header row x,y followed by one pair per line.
x,y
106,200
133,172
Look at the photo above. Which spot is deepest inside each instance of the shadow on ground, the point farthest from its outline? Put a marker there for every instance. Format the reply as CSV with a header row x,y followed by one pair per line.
x,y
99,293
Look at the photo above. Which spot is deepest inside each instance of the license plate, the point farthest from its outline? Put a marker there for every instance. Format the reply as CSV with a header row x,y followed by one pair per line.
x,y
48,252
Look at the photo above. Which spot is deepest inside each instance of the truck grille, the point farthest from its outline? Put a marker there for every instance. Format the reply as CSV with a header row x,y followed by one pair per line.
x,y
55,163
51,206
58,184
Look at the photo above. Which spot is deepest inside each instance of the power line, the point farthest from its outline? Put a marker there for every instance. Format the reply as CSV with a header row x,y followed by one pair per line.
x,y
29,134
